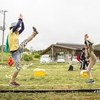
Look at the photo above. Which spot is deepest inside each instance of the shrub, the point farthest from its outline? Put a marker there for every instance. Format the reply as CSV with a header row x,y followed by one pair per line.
x,y
36,55
28,57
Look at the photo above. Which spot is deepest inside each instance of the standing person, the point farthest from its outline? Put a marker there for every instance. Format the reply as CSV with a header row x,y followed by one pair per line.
x,y
89,54
83,60
15,49
70,62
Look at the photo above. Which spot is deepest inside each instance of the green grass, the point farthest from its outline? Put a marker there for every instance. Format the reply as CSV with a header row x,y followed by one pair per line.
x,y
56,76
50,96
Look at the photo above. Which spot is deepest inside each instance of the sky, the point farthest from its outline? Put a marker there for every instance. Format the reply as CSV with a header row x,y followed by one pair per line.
x,y
64,21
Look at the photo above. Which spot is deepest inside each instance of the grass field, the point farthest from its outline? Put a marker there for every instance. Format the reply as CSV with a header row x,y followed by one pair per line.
x,y
56,76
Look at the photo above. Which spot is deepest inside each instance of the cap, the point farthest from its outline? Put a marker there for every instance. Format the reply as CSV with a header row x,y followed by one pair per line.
x,y
13,24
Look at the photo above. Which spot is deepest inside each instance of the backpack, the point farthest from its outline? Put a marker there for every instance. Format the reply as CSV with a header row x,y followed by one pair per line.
x,y
78,57
70,68
7,45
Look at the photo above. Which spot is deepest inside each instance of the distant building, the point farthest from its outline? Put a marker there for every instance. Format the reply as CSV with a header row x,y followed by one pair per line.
x,y
68,48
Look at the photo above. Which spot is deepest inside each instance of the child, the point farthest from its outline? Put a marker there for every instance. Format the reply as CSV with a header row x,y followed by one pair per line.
x,y
15,49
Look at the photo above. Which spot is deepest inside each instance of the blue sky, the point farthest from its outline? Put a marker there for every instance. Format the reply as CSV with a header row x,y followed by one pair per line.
x,y
63,21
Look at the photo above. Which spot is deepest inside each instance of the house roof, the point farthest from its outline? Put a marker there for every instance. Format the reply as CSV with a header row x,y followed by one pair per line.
x,y
77,46
69,46
72,45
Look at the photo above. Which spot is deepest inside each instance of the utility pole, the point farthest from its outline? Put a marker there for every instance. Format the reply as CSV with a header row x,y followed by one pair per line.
x,y
3,29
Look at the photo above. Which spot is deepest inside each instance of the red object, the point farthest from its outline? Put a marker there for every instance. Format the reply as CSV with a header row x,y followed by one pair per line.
x,y
78,57
10,61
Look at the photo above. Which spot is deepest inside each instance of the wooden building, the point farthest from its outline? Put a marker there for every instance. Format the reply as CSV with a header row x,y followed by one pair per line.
x,y
67,48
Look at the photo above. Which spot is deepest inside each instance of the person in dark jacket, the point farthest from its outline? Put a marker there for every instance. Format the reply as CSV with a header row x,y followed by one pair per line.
x,y
83,60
